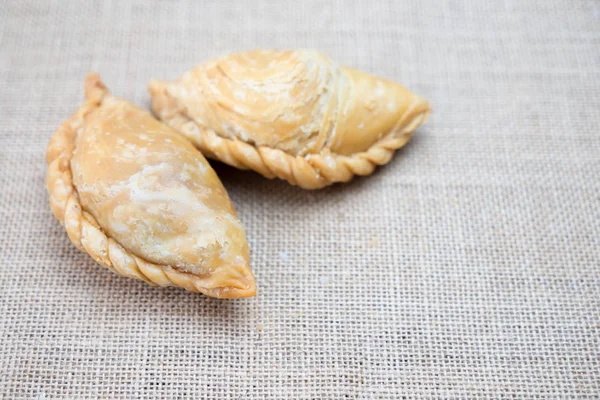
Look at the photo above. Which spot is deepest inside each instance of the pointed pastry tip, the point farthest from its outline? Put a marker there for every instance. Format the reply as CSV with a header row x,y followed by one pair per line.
x,y
95,89
163,105
424,105
242,282
233,282
238,293
155,87
418,114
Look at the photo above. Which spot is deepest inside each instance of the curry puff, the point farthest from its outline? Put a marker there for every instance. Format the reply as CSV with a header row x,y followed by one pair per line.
x,y
295,115
142,201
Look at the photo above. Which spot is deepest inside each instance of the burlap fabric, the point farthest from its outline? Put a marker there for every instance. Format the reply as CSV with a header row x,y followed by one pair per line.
x,y
469,267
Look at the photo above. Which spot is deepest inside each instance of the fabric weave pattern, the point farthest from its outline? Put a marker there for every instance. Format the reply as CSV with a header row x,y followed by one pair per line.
x,y
468,267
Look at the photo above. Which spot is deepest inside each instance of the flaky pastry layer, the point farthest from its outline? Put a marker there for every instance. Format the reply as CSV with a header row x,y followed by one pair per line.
x,y
86,233
292,115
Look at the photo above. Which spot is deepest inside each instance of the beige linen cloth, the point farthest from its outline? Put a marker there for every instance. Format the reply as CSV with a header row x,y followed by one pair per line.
x,y
469,267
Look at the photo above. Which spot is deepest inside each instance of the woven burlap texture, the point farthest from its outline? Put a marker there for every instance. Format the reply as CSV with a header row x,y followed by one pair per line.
x,y
468,267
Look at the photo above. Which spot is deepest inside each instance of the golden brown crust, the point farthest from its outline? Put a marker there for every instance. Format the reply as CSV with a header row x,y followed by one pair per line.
x,y
85,233
313,171
293,115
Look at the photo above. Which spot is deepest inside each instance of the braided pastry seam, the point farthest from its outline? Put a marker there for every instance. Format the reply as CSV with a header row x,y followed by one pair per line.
x,y
84,231
313,171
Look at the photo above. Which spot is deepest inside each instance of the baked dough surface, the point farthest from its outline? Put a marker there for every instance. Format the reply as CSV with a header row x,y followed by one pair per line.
x,y
142,201
295,115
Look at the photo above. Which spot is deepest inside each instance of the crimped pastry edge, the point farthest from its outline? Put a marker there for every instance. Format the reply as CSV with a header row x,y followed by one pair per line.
x,y
312,171
83,229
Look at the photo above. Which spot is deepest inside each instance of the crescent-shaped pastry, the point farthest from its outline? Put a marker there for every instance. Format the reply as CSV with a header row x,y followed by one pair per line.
x,y
294,115
143,202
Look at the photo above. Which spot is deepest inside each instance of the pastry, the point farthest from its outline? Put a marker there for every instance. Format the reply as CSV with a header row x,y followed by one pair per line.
x,y
143,202
294,115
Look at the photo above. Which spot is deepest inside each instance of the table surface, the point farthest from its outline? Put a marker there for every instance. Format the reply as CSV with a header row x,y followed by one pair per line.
x,y
468,267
